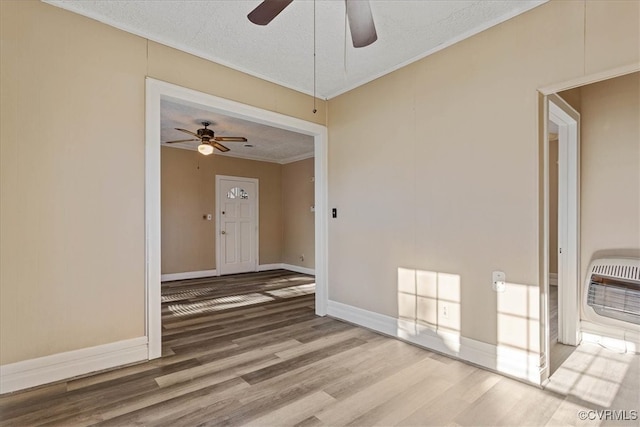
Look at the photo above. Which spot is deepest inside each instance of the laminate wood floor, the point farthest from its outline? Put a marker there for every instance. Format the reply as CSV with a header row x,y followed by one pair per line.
x,y
248,350
559,352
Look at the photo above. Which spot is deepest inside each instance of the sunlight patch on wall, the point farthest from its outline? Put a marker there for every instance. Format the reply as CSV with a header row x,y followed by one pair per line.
x,y
518,330
429,303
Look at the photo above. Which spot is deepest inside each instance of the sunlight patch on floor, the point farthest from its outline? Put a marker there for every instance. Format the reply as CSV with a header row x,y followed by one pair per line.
x,y
218,304
232,301
187,294
293,291
594,374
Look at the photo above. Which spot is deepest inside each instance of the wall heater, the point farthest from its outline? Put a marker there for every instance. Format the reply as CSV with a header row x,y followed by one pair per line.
x,y
611,298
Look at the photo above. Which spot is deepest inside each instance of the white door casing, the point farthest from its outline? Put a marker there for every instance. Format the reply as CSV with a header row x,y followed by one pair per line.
x,y
548,93
236,224
568,121
157,90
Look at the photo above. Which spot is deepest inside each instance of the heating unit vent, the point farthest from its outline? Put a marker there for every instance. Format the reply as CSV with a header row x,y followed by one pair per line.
x,y
614,289
616,270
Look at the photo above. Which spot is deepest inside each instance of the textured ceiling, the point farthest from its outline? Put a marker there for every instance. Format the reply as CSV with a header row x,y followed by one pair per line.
x,y
282,52
269,143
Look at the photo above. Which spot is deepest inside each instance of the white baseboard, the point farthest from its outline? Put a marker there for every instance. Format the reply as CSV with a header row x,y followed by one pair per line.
x,y
209,273
509,361
553,279
267,267
297,269
47,369
290,267
188,275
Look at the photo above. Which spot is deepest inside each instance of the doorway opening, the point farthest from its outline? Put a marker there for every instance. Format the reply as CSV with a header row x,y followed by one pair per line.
x,y
562,189
158,92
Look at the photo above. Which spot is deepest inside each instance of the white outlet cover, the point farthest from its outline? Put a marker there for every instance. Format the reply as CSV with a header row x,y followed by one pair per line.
x,y
499,281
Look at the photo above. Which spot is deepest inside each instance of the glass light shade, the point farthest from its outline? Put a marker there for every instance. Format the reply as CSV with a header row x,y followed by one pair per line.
x,y
205,149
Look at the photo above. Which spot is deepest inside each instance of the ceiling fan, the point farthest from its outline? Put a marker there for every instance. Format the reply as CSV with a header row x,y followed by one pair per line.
x,y
363,30
208,140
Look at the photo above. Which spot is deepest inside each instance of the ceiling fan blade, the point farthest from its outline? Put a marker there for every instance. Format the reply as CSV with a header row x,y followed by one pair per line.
x,y
363,30
189,132
181,140
267,10
220,146
231,138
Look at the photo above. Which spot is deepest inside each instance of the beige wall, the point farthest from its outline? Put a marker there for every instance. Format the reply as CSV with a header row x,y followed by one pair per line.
x,y
435,166
188,193
572,97
610,169
299,222
72,211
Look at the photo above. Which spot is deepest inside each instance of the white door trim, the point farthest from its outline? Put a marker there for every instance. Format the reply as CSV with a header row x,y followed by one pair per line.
x,y
157,90
152,209
591,78
567,119
256,248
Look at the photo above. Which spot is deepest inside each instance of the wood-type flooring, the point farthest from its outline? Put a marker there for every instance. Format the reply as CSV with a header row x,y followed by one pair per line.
x,y
249,350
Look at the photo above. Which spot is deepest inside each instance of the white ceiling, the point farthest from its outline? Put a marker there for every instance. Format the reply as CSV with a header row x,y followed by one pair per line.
x,y
282,52
269,143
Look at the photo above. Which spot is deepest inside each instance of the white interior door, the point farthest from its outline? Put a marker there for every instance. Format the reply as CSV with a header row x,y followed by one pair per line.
x,y
237,224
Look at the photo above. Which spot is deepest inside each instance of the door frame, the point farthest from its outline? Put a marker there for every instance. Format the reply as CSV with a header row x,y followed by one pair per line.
x,y
554,108
256,229
157,90
543,247
568,121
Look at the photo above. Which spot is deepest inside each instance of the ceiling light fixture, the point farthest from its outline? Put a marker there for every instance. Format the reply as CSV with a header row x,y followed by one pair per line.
x,y
205,148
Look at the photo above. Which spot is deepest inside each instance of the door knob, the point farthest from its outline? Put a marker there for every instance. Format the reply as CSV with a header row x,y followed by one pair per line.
x,y
224,232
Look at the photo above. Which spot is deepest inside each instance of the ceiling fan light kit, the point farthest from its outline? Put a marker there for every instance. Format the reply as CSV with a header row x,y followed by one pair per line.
x,y
205,149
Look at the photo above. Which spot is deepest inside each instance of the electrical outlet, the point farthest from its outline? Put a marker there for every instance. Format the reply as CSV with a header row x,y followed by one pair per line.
x,y
445,311
499,281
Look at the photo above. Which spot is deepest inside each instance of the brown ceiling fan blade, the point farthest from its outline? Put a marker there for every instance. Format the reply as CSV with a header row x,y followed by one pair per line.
x,y
267,10
231,138
189,132
220,146
181,140
363,29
